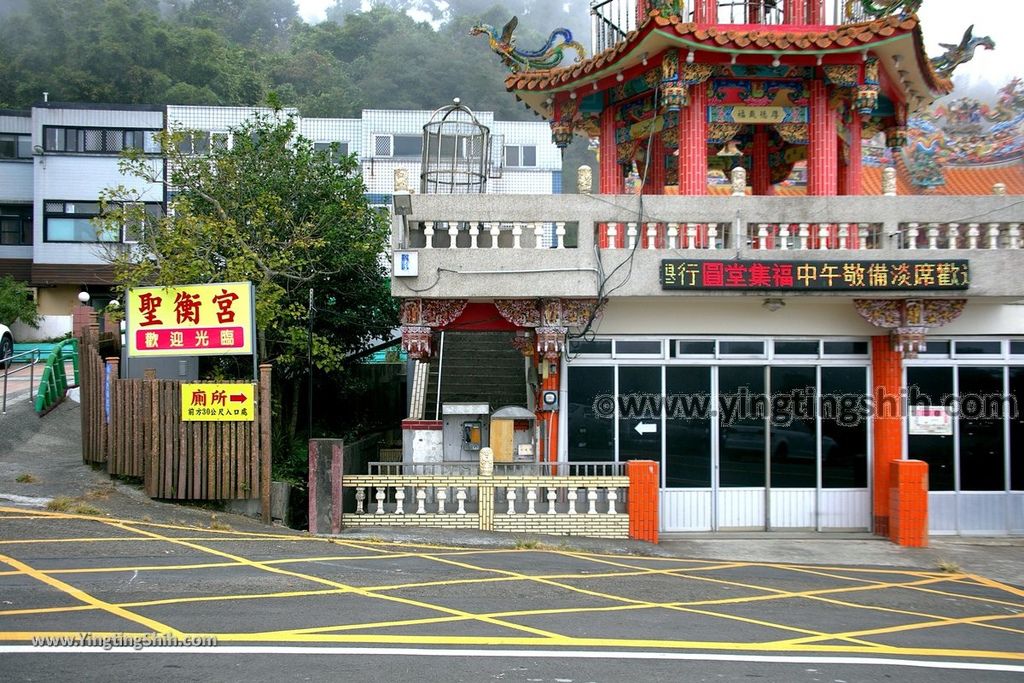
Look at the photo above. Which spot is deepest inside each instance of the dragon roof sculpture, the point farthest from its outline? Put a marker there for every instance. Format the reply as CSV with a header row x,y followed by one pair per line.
x,y
955,55
547,57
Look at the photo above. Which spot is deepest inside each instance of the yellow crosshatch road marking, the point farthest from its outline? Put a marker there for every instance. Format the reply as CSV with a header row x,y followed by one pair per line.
x,y
997,607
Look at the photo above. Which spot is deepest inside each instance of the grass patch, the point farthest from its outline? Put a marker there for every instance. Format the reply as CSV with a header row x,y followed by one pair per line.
x,y
98,494
949,567
218,525
523,544
25,478
72,506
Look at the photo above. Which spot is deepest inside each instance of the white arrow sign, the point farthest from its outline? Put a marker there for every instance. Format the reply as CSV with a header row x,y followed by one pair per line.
x,y
646,428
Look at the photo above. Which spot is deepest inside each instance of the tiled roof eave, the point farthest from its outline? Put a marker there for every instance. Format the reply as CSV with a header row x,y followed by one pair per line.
x,y
857,37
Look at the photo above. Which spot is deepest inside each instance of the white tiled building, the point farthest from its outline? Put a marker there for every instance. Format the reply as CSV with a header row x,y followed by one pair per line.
x,y
56,158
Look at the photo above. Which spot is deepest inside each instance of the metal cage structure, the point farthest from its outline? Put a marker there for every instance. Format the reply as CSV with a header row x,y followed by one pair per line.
x,y
456,152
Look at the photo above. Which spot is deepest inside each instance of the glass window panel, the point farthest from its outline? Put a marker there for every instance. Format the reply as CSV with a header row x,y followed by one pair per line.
x,y
978,348
603,347
53,139
60,229
982,466
24,146
928,386
638,347
408,145
591,434
8,147
640,399
1016,429
219,140
695,348
54,207
741,430
1017,348
936,348
846,348
511,155
796,348
794,441
741,348
844,428
152,144
200,142
529,155
688,427
10,231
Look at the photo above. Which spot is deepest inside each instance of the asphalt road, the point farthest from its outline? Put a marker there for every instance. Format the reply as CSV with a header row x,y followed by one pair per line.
x,y
289,607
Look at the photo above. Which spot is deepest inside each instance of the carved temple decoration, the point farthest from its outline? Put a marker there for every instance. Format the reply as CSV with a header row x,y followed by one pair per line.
x,y
908,320
419,318
550,320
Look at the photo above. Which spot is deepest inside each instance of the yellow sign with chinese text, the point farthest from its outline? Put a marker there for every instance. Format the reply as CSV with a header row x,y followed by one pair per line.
x,y
190,320
215,402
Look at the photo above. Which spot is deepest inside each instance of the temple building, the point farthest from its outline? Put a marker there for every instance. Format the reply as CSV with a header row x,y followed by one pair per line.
x,y
730,301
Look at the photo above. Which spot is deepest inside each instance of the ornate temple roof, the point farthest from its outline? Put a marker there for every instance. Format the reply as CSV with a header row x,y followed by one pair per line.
x,y
896,40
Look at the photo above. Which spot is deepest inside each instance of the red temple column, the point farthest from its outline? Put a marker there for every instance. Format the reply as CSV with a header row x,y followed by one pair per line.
x,y
815,12
705,11
795,12
886,394
761,172
611,174
693,143
849,173
823,147
654,182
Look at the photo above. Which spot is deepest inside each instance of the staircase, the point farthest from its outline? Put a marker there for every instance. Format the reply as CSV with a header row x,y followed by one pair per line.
x,y
478,367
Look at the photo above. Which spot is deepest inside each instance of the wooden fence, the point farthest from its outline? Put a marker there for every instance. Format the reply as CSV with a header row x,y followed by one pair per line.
x,y
134,428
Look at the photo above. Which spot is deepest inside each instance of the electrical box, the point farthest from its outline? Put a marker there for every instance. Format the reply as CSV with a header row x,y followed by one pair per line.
x,y
549,400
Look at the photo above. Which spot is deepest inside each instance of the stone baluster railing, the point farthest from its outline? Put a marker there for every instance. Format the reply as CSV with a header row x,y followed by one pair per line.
x,y
952,236
784,237
612,235
428,234
453,234
631,235
673,235
474,235
495,231
804,235
913,232
560,235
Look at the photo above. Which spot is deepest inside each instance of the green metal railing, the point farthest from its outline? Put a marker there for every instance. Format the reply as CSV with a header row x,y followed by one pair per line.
x,y
54,383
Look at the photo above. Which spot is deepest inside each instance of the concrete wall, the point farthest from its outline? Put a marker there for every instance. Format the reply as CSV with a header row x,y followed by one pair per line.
x,y
510,273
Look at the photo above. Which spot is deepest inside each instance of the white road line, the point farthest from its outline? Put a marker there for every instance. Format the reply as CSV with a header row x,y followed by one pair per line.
x,y
548,654
25,500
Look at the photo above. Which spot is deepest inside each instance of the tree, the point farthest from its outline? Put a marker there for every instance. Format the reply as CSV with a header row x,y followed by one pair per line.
x,y
271,210
16,302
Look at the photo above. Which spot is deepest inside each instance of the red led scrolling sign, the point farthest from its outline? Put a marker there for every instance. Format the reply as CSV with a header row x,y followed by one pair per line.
x,y
820,276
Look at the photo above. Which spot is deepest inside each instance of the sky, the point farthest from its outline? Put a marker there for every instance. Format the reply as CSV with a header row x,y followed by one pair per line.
x,y
943,21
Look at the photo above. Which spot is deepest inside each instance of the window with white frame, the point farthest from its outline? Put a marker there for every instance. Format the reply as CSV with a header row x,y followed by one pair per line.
x,y
337,150
520,156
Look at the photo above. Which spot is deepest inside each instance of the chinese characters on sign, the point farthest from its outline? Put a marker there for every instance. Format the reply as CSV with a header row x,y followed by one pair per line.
x,y
814,275
190,320
218,402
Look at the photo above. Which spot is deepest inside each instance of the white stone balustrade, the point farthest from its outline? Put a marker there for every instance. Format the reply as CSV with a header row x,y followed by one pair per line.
x,y
493,502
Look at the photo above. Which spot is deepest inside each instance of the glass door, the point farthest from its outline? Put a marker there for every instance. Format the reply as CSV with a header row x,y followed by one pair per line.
x,y
742,447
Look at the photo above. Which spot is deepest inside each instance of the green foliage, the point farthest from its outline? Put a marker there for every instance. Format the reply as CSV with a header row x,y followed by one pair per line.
x,y
272,211
234,52
16,302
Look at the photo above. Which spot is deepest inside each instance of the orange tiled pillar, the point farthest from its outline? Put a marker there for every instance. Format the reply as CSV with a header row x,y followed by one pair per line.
x,y
643,499
550,417
823,150
886,393
908,503
693,143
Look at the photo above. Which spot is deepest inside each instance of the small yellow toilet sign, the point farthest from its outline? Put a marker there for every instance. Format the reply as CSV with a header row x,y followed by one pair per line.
x,y
212,402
